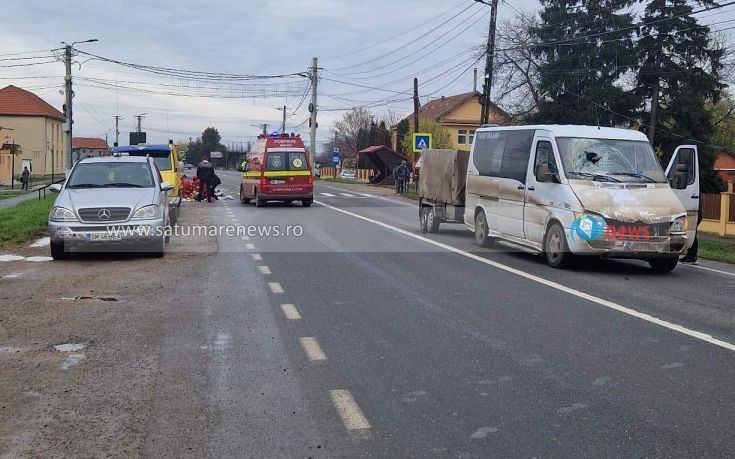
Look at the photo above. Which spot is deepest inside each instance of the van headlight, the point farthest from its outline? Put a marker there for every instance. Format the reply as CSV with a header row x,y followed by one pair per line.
x,y
62,214
679,225
148,212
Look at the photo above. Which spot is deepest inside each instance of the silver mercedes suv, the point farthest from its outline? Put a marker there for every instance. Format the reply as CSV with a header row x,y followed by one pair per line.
x,y
110,204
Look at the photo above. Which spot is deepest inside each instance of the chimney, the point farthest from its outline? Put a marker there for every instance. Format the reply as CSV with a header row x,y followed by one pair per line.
x,y
474,85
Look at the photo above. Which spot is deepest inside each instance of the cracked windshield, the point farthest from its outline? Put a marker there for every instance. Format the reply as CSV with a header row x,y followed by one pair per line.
x,y
319,229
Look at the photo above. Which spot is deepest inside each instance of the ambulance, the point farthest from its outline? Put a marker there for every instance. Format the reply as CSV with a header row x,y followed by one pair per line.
x,y
278,169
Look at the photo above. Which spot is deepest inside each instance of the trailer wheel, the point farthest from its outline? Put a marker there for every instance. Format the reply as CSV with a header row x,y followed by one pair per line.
x,y
432,223
423,217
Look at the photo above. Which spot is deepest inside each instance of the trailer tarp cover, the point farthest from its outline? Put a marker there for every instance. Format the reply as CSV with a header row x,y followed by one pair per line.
x,y
444,176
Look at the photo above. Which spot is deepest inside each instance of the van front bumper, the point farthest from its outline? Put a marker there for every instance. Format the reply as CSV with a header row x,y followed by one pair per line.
x,y
654,247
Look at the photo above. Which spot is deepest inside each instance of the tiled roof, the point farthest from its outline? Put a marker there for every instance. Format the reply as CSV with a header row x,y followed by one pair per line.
x,y
17,101
89,142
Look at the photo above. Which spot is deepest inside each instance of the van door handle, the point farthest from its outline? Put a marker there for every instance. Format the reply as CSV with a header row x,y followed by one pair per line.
x,y
521,187
695,196
531,188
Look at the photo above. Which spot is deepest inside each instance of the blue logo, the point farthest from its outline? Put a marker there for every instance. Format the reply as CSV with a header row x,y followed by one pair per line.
x,y
587,227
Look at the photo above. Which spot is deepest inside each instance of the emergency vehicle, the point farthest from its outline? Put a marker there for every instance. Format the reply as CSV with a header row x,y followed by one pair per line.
x,y
278,169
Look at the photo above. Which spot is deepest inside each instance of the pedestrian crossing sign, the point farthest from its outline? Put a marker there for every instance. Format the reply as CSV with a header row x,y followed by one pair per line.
x,y
421,141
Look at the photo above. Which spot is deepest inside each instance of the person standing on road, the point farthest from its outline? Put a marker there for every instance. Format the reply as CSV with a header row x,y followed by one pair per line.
x,y
25,177
205,173
401,174
692,257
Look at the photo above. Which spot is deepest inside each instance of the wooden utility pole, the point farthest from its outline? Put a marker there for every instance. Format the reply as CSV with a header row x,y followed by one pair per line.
x,y
489,55
416,105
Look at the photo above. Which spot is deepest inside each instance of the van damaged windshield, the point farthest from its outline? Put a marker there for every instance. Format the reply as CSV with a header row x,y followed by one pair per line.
x,y
601,159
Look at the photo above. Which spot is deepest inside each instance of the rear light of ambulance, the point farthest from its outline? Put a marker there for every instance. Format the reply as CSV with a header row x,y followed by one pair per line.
x,y
311,180
263,181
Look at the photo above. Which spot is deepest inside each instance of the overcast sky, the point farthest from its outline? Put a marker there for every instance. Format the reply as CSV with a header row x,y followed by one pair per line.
x,y
353,40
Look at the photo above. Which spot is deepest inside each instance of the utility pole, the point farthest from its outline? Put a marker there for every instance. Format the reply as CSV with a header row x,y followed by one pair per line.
x,y
313,108
117,129
489,56
69,95
654,99
140,119
283,126
416,105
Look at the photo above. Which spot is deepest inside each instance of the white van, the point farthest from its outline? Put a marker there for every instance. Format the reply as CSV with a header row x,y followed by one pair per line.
x,y
581,190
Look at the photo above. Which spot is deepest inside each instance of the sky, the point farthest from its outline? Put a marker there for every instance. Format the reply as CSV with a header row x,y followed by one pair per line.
x,y
369,52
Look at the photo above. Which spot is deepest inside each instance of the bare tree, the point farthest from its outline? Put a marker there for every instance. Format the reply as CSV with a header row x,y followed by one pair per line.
x,y
516,77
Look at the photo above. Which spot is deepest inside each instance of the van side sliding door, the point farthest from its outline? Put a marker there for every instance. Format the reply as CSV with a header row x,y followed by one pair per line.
x,y
512,182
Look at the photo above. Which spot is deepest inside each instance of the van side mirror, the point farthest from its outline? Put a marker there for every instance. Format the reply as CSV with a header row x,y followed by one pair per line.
x,y
543,174
56,188
681,177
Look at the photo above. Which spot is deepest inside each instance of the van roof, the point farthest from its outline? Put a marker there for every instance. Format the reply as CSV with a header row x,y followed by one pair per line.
x,y
136,148
571,130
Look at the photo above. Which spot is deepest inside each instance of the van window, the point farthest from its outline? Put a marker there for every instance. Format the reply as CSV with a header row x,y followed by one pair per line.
x,y
488,153
544,157
503,153
686,157
286,161
516,155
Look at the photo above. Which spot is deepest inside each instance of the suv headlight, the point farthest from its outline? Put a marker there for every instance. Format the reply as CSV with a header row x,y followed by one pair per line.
x,y
62,214
148,212
679,225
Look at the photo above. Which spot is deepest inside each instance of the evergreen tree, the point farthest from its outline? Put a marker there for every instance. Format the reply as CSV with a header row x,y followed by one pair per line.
x,y
587,47
401,132
679,57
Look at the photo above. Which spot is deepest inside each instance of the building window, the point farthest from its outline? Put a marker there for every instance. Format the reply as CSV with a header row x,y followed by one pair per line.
x,y
472,137
462,137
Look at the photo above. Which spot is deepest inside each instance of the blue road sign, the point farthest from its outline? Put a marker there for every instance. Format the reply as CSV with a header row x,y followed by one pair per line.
x,y
421,142
335,157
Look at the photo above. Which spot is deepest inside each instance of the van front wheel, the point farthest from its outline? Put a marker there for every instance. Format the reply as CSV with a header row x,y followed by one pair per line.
x,y
663,265
556,249
481,230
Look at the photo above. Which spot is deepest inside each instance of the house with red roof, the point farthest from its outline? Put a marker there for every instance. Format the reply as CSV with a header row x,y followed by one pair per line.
x,y
35,126
460,114
88,147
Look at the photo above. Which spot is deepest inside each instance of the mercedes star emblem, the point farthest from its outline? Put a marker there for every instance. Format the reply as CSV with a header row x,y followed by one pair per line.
x,y
103,214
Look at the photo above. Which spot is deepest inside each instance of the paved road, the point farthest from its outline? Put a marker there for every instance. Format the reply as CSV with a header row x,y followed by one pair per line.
x,y
360,337
410,346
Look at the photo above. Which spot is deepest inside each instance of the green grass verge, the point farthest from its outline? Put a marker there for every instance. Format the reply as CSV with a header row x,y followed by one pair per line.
x,y
24,221
717,251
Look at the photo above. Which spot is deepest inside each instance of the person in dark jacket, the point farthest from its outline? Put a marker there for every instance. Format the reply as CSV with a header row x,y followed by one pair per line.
x,y
25,177
205,173
401,173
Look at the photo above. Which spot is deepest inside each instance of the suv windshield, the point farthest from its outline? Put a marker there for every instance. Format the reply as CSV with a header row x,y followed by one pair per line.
x,y
617,160
111,175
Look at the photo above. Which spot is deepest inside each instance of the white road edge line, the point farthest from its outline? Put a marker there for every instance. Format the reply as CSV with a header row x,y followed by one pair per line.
x,y
264,270
275,287
351,415
585,296
290,312
711,269
312,348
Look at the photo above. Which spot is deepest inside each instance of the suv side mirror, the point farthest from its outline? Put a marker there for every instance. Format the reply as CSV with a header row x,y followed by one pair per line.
x,y
165,186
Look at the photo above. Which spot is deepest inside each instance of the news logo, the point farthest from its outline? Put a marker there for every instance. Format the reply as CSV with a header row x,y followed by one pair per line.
x,y
587,227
